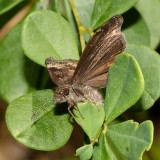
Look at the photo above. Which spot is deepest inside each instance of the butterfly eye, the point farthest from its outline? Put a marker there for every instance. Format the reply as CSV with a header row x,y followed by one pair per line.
x,y
49,60
65,91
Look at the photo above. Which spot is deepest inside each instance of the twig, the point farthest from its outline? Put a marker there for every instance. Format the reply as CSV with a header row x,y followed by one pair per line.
x,y
81,28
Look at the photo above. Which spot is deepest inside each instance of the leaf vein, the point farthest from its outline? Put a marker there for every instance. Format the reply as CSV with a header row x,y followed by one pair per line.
x,y
46,39
128,136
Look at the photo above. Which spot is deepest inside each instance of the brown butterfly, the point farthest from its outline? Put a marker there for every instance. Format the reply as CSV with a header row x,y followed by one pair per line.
x,y
78,81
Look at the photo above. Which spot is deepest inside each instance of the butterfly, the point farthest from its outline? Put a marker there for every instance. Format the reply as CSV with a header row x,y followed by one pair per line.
x,y
79,81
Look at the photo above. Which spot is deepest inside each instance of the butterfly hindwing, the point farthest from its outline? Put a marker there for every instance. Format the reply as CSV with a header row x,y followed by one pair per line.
x,y
107,42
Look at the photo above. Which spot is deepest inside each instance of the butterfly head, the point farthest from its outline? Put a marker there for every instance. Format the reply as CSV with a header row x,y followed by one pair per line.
x,y
49,61
61,94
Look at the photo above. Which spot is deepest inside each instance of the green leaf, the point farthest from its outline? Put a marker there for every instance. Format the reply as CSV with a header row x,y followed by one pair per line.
x,y
150,10
135,28
7,5
46,34
105,9
63,7
129,140
100,151
125,86
85,152
50,129
18,74
100,12
85,9
123,141
149,62
93,118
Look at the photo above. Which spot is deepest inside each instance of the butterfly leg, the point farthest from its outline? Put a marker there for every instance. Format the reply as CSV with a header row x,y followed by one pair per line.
x,y
98,107
79,111
69,110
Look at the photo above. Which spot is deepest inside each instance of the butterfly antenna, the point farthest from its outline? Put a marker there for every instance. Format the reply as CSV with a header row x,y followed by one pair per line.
x,y
41,108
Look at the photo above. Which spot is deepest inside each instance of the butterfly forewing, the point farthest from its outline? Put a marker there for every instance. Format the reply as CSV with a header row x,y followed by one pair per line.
x,y
107,42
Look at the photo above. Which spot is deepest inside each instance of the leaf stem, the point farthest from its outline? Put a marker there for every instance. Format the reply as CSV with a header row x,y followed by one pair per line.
x,y
81,28
79,24
103,129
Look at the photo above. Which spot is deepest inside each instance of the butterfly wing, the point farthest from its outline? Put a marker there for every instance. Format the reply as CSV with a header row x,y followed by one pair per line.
x,y
107,42
61,71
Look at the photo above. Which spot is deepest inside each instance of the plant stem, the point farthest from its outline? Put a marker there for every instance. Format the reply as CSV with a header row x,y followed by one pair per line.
x,y
103,129
81,28
79,24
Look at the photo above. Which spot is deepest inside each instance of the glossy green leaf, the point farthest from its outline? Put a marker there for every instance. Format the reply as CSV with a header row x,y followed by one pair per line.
x,y
100,151
63,7
100,13
6,5
46,34
150,10
85,152
123,141
18,74
129,140
105,9
125,86
50,129
149,62
135,28
93,118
